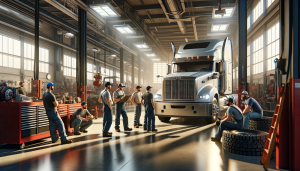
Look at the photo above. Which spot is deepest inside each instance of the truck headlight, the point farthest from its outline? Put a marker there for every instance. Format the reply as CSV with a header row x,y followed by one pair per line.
x,y
204,96
157,96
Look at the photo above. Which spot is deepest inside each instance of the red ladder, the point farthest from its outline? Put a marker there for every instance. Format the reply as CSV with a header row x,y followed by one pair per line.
x,y
272,132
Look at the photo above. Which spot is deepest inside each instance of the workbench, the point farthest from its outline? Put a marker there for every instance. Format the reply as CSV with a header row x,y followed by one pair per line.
x,y
22,122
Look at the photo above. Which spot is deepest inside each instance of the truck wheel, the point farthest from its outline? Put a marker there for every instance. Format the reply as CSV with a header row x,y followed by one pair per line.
x,y
214,113
244,142
261,124
164,119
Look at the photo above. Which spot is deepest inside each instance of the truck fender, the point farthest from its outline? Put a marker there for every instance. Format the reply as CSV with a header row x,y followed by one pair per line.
x,y
210,90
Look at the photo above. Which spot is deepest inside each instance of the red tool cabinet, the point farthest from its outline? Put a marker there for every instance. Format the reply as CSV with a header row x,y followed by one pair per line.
x,y
21,122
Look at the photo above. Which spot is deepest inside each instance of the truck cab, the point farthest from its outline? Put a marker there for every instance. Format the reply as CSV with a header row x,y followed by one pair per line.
x,y
199,82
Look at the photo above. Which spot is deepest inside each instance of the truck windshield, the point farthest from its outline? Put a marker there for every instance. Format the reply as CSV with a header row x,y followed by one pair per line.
x,y
193,66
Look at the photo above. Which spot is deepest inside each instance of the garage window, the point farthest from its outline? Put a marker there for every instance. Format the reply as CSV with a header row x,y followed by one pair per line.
x,y
272,46
29,58
69,66
90,74
248,60
159,69
258,52
257,11
10,52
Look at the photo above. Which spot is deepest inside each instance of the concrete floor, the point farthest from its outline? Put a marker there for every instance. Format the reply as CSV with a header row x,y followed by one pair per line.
x,y
181,145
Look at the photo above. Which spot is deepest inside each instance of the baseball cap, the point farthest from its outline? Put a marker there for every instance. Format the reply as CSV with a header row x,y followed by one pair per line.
x,y
138,87
50,84
83,103
107,83
121,85
229,100
148,87
245,92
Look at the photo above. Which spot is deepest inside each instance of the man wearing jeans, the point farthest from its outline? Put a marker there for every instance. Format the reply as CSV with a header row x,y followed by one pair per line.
x,y
233,119
252,109
105,98
81,119
50,105
136,100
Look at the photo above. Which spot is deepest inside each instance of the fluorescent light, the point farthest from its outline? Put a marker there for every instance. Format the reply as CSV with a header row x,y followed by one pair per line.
x,y
125,29
150,54
156,59
229,12
219,27
105,10
113,55
141,45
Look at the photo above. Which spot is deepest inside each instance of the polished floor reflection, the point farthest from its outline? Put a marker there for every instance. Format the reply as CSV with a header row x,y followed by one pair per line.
x,y
181,145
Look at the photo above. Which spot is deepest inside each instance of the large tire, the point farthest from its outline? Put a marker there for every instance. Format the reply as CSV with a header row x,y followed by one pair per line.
x,y
260,124
269,113
244,142
215,112
164,119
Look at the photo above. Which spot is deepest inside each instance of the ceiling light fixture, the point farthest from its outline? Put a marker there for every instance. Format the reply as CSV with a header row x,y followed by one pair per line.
x,y
219,27
156,59
141,45
68,35
150,54
125,29
105,10
227,12
113,55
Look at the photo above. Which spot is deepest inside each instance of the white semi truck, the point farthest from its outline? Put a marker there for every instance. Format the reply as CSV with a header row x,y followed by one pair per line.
x,y
199,82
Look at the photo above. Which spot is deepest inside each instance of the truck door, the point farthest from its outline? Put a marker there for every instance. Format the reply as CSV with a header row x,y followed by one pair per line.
x,y
227,58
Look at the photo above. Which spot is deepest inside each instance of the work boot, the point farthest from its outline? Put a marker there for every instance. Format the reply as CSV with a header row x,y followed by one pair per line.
x,y
84,131
58,141
140,124
117,130
67,142
154,130
215,139
77,133
128,129
145,129
107,135
110,133
136,126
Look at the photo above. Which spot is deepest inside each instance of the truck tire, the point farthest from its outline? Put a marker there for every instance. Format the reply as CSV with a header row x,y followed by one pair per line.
x,y
215,112
269,113
164,119
260,124
244,142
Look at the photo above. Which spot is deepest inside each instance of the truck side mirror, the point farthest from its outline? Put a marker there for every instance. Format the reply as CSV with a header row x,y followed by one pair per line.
x,y
219,67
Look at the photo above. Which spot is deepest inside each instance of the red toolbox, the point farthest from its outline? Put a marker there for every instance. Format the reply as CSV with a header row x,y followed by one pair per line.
x,y
23,122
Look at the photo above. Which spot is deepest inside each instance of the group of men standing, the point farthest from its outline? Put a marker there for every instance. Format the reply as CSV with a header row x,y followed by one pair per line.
x,y
137,98
235,118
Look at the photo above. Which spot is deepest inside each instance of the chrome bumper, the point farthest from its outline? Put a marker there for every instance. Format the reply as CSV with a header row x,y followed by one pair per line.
x,y
179,109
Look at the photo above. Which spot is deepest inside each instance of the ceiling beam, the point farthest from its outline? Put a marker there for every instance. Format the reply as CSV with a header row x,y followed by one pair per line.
x,y
200,22
145,7
204,4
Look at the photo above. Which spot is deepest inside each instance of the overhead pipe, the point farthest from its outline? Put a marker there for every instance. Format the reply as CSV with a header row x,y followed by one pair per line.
x,y
14,14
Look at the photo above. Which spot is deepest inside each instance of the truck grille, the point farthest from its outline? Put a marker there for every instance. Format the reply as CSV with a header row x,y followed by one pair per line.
x,y
179,89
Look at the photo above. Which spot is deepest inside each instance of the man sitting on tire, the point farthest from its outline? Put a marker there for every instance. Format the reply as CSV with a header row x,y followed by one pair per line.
x,y
252,109
233,119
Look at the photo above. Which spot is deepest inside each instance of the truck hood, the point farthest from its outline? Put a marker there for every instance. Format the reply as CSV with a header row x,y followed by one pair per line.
x,y
187,74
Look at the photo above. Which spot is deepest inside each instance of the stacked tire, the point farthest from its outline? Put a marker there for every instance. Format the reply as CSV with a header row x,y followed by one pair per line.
x,y
269,113
260,124
244,142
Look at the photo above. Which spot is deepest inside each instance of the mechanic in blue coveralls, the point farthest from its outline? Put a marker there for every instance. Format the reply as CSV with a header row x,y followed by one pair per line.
x,y
233,119
120,109
148,103
252,109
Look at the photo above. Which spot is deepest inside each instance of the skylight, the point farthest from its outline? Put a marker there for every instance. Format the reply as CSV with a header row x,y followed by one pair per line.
x,y
125,29
150,54
229,12
141,45
219,27
105,10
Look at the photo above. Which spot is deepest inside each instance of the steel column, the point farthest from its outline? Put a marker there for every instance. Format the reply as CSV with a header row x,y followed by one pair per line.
x,y
132,71
121,65
139,65
36,40
242,22
82,22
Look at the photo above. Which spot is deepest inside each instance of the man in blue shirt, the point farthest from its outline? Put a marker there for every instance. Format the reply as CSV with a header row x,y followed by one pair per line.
x,y
105,98
252,109
233,119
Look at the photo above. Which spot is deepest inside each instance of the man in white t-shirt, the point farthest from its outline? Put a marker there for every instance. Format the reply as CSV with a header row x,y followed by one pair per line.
x,y
136,100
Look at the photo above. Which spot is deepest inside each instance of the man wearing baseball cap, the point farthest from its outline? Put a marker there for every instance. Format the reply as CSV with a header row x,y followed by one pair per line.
x,y
81,119
252,109
105,98
233,114
148,103
50,105
120,109
136,100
